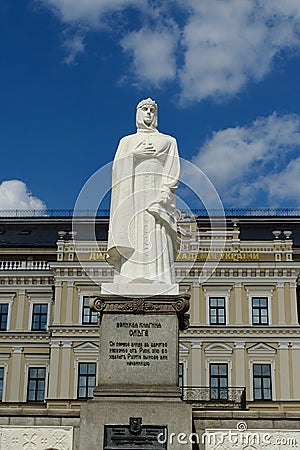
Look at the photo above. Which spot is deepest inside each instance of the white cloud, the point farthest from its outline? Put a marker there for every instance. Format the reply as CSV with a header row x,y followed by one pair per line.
x,y
259,161
213,48
88,11
15,195
154,60
285,186
231,42
73,46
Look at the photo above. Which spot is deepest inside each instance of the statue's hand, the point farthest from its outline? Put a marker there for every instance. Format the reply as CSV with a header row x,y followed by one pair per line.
x,y
165,198
146,148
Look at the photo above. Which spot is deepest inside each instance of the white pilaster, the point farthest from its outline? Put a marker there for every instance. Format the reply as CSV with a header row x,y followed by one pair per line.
x,y
296,369
196,352
65,370
21,299
239,352
69,306
284,380
281,304
53,375
238,304
57,303
195,304
15,379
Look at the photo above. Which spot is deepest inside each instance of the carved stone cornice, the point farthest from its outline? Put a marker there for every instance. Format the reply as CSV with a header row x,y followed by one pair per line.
x,y
173,304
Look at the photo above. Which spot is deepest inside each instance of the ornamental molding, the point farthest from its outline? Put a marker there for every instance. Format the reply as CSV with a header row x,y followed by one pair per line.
x,y
169,304
183,350
218,349
86,347
261,349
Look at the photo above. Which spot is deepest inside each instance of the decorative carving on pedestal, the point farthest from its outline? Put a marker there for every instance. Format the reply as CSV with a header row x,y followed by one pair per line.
x,y
139,306
178,305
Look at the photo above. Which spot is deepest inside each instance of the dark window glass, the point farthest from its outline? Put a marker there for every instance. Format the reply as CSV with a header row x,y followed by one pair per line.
x,y
1,382
260,311
36,384
39,316
180,375
218,381
88,316
262,385
3,316
86,380
217,311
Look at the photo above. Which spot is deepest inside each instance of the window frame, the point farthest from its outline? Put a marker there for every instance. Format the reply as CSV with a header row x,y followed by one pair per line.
x,y
7,299
260,291
40,315
38,299
259,308
261,378
91,313
218,377
2,367
29,368
86,376
222,291
3,315
217,308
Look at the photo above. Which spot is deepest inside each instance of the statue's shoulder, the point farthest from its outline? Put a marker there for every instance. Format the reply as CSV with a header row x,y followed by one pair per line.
x,y
171,139
125,139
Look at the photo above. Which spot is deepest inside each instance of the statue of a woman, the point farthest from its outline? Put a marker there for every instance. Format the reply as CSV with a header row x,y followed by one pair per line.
x,y
143,229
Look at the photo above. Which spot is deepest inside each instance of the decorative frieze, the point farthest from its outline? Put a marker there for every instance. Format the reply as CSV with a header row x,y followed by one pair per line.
x,y
110,304
41,438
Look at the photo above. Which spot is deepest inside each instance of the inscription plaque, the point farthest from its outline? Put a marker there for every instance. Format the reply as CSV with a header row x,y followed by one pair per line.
x,y
140,348
121,437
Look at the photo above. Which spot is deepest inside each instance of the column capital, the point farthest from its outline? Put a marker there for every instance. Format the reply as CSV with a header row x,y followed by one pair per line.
x,y
18,349
239,345
55,344
67,344
283,345
195,345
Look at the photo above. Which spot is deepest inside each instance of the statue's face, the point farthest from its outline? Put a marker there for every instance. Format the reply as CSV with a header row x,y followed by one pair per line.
x,y
148,112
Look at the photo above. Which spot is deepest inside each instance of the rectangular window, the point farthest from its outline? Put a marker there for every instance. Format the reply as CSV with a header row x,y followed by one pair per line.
x,y
88,316
217,311
3,316
1,382
86,380
36,384
218,381
39,316
180,375
260,314
262,382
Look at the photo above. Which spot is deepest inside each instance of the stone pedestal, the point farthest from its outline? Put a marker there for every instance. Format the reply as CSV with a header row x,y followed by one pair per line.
x,y
137,402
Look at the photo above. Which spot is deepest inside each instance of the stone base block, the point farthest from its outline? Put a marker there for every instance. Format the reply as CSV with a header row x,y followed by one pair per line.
x,y
139,289
167,419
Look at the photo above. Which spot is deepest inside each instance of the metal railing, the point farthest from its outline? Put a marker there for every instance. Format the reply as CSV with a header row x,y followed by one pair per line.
x,y
24,265
215,398
202,212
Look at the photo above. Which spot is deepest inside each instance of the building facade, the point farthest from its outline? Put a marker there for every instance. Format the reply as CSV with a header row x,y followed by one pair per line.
x,y
239,356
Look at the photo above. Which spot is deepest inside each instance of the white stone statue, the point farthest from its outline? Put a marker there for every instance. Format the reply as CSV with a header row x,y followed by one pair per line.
x,y
143,228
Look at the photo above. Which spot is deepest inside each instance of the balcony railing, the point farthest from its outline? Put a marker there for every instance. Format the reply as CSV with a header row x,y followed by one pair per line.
x,y
215,398
229,212
24,265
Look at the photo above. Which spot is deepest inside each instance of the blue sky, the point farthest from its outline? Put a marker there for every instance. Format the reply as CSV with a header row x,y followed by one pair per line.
x,y
225,74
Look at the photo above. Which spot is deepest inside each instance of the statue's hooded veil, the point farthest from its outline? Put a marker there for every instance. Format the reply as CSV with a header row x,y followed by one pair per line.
x,y
140,125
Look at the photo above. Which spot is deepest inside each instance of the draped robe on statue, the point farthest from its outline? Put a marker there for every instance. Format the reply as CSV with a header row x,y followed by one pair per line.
x,y
143,229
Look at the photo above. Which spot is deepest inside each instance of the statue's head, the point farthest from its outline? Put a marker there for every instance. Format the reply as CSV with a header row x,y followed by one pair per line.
x,y
146,115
